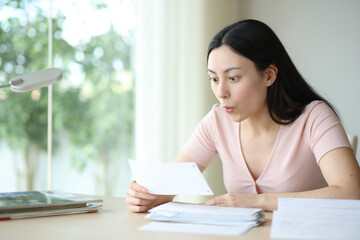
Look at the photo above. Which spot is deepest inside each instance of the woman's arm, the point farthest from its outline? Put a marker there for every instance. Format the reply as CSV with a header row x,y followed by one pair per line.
x,y
339,168
139,200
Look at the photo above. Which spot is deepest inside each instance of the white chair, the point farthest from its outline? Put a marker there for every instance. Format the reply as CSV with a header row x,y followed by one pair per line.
x,y
354,142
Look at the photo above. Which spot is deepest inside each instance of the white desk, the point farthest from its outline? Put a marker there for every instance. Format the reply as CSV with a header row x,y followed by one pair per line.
x,y
113,221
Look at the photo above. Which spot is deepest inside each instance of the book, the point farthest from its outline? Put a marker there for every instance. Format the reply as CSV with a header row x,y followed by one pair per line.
x,y
16,205
200,214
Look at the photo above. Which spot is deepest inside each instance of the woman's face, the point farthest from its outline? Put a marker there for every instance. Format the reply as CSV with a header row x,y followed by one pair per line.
x,y
237,84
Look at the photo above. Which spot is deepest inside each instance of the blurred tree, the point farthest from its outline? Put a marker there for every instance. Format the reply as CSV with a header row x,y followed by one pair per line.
x,y
96,115
104,123
23,117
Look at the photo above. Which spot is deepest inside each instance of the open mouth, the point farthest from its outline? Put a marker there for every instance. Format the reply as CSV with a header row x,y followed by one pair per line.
x,y
228,109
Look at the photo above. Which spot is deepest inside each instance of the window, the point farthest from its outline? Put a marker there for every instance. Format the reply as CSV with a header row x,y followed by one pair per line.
x,y
93,105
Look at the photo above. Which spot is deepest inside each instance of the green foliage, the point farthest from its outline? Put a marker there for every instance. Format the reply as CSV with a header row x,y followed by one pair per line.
x,y
96,114
23,117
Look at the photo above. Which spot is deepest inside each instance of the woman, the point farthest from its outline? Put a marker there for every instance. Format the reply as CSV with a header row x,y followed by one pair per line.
x,y
275,135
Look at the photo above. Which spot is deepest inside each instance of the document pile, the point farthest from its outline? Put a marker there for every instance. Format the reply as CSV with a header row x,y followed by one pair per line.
x,y
28,204
177,217
316,219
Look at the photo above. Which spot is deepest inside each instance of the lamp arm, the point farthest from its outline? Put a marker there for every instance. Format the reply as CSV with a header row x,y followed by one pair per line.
x,y
5,85
12,83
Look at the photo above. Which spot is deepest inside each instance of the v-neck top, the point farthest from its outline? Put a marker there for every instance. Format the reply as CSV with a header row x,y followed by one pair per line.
x,y
293,163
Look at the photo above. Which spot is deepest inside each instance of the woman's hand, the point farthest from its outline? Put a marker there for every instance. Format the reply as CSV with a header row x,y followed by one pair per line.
x,y
235,200
139,200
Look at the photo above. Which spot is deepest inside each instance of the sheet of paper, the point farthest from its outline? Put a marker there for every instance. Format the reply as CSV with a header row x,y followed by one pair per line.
x,y
196,228
170,178
318,205
315,226
316,219
202,209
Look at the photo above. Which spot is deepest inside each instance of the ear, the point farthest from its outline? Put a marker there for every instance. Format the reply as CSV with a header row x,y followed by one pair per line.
x,y
271,74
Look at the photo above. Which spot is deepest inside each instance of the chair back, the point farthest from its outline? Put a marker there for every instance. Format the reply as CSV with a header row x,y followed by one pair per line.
x,y
354,142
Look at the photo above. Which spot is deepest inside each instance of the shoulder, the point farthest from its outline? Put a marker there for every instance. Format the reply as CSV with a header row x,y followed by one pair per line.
x,y
325,130
314,112
317,106
217,109
217,113
216,121
318,128
318,111
316,118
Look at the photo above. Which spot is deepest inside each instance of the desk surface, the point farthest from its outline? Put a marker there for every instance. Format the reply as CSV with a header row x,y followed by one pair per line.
x,y
113,221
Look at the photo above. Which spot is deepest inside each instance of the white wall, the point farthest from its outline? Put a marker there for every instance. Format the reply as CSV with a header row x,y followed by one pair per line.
x,y
323,39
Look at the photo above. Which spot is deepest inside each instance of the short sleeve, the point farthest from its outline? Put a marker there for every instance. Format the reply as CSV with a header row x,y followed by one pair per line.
x,y
201,145
326,131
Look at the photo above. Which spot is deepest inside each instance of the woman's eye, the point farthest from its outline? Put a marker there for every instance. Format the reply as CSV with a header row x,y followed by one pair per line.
x,y
213,79
233,79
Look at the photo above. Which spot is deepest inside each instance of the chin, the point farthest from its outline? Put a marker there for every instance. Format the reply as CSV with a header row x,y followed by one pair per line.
x,y
236,118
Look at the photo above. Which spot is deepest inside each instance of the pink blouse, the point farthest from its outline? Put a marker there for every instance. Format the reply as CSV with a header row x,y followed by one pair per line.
x,y
293,164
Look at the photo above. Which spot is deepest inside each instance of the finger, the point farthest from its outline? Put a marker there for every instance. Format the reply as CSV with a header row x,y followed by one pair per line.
x,y
137,187
210,202
139,205
137,209
220,200
140,191
132,193
220,205
139,202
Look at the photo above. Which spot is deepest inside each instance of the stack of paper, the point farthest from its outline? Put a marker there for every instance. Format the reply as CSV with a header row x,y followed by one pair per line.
x,y
204,219
16,205
316,219
189,213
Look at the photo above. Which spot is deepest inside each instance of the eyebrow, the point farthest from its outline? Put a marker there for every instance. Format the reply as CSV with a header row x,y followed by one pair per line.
x,y
226,70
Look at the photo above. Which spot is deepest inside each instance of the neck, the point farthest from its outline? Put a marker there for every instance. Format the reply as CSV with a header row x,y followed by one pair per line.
x,y
259,124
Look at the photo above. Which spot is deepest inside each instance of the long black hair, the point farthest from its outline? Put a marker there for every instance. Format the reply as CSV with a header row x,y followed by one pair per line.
x,y
290,93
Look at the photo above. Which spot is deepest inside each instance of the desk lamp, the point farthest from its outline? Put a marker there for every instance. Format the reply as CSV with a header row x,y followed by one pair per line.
x,y
34,80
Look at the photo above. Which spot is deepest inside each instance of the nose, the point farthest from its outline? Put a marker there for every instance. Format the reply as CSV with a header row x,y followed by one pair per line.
x,y
223,91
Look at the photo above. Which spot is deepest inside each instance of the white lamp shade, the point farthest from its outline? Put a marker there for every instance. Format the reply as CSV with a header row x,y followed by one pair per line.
x,y
39,79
